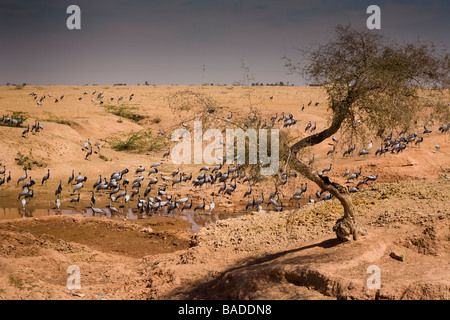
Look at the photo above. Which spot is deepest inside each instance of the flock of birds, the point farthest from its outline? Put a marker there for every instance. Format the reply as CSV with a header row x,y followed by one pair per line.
x,y
100,96
158,194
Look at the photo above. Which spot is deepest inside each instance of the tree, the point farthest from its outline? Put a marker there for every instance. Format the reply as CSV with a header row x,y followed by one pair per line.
x,y
383,84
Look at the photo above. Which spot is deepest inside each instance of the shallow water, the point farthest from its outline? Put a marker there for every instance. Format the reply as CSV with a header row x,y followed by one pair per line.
x,y
197,220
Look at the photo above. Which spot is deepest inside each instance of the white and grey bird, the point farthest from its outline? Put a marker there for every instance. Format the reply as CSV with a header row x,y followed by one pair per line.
x,y
363,152
97,182
79,178
59,188
280,207
183,200
212,206
166,178
201,206
23,193
76,199
113,209
46,177
248,192
127,198
139,170
93,198
353,190
327,169
89,153
78,186
22,178
58,204
71,178
187,206
166,154
97,210
308,126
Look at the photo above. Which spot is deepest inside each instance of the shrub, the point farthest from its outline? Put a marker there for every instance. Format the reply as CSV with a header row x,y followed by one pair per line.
x,y
28,161
140,141
125,112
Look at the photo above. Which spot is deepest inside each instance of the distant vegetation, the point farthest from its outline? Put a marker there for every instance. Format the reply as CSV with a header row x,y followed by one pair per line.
x,y
28,161
17,86
14,115
126,112
69,123
276,84
55,119
104,158
141,141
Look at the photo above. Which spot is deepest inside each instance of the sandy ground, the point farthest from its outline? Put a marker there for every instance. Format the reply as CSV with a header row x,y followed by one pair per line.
x,y
288,255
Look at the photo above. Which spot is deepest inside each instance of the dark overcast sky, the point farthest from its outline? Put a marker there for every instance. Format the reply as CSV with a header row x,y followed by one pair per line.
x,y
168,42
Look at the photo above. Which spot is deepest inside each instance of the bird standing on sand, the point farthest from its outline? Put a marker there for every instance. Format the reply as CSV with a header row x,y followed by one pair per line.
x,y
250,204
187,206
166,154
88,153
26,131
280,207
139,170
248,192
113,209
212,206
22,177
78,186
46,177
93,198
200,206
71,178
97,211
58,204
308,126
76,199
59,189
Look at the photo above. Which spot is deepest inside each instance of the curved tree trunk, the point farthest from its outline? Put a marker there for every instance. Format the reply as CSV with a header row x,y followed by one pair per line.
x,y
346,227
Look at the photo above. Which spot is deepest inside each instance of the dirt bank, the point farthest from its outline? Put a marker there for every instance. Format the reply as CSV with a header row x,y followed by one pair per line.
x,y
288,255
